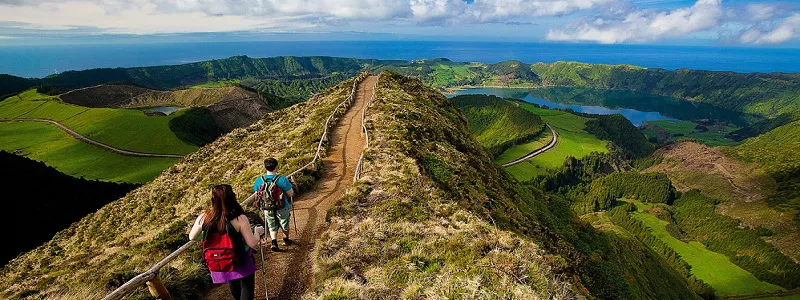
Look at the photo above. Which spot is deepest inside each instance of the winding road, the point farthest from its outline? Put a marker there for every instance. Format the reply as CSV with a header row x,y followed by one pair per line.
x,y
549,146
91,141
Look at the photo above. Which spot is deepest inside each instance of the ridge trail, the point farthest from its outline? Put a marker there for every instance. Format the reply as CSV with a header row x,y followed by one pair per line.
x,y
289,272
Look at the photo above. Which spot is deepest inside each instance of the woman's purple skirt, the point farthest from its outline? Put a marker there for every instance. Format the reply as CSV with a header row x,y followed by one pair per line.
x,y
244,269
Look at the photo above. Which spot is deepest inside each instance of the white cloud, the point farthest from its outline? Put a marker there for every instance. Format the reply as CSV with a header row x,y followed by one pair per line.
x,y
785,30
167,16
644,25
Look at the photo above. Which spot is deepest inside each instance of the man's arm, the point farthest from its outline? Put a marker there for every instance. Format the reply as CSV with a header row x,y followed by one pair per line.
x,y
287,187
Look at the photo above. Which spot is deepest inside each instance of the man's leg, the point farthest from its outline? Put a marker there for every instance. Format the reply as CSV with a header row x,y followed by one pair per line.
x,y
284,216
272,225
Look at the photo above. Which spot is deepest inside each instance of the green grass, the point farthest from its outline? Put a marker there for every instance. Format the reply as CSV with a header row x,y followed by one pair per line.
x,y
128,129
521,150
573,141
33,95
47,143
715,136
445,75
214,84
713,268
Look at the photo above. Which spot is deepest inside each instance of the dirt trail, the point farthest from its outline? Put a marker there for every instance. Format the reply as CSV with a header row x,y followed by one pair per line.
x,y
289,272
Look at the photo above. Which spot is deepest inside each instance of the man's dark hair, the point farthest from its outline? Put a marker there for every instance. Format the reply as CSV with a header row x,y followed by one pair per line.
x,y
271,164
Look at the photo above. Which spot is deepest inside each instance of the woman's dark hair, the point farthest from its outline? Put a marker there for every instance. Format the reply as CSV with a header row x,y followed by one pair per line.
x,y
224,207
271,164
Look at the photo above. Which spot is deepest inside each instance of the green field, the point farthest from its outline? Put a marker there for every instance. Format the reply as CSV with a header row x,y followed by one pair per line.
x,y
716,269
521,150
214,84
127,129
47,143
445,75
715,136
573,141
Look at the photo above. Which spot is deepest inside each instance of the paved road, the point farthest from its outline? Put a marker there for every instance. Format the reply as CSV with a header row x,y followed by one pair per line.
x,y
91,141
549,146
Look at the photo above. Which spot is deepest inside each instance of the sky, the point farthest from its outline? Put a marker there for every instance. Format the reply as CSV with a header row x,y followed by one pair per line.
x,y
679,22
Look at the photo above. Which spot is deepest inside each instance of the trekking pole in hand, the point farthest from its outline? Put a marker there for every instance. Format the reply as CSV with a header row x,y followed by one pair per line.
x,y
294,217
263,267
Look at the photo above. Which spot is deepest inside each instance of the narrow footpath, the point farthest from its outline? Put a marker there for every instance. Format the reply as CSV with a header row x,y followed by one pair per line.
x,y
85,139
289,272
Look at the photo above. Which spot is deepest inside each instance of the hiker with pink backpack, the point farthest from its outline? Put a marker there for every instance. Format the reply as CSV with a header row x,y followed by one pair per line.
x,y
228,242
272,196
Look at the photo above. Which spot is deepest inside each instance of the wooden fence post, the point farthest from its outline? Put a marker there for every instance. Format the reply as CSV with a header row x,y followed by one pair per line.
x,y
157,289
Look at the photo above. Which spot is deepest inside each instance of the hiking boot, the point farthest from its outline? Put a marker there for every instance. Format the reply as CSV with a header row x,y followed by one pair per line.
x,y
275,246
287,241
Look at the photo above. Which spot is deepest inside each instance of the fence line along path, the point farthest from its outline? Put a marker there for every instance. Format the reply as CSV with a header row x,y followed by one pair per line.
x,y
289,272
308,203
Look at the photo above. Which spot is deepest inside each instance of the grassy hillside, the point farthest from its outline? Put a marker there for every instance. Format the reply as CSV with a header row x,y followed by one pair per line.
x,y
122,128
128,96
714,268
434,216
497,123
126,236
573,140
47,143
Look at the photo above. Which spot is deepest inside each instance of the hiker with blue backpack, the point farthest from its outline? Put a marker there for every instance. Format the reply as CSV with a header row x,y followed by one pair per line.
x,y
272,196
228,242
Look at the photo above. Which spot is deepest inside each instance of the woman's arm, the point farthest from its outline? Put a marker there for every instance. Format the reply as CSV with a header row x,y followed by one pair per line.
x,y
197,228
251,238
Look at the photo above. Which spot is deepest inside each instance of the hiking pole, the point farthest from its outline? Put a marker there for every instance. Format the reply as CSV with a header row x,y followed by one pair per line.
x,y
294,217
263,267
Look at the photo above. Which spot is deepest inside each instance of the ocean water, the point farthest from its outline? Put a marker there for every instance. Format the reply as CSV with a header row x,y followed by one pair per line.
x,y
39,61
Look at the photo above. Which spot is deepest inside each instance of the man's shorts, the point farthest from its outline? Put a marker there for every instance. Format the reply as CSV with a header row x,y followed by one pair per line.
x,y
283,216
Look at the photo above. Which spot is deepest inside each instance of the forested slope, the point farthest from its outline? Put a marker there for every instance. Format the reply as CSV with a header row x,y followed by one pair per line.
x,y
497,123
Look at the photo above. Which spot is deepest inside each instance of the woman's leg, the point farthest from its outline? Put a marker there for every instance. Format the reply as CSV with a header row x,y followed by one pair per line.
x,y
248,290
236,288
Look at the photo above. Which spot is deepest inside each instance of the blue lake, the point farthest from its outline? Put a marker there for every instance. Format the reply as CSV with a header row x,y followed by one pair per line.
x,y
162,109
636,107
